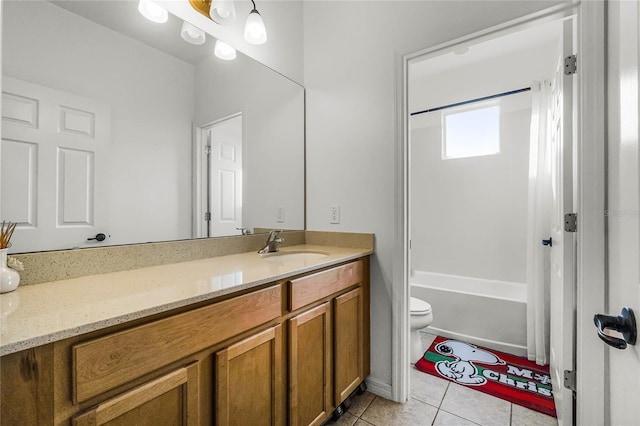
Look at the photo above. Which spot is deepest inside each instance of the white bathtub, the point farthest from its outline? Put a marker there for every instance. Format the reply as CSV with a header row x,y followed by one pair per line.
x,y
484,312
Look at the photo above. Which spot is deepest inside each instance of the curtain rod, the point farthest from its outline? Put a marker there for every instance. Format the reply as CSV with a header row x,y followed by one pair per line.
x,y
485,98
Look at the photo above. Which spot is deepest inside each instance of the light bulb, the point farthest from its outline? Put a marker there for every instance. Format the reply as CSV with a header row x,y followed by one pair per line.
x,y
222,12
254,30
192,34
152,11
224,51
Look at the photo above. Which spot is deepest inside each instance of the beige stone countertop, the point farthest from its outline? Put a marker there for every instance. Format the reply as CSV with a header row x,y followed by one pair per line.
x,y
37,314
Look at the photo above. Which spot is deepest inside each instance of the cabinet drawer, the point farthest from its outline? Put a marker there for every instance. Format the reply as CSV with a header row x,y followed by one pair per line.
x,y
107,362
306,290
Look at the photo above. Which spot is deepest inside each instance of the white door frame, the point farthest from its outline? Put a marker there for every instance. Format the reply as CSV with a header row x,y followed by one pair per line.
x,y
589,173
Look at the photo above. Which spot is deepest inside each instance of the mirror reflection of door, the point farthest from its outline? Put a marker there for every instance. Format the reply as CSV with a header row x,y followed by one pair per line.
x,y
224,190
53,171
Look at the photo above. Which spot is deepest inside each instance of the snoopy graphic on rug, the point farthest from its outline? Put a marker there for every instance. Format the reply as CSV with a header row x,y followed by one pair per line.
x,y
462,369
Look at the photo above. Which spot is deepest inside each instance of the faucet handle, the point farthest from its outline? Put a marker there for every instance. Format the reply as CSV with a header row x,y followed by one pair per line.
x,y
244,231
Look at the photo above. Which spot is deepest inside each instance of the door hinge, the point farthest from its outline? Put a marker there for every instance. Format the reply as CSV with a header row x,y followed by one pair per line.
x,y
571,222
207,149
570,65
207,216
570,379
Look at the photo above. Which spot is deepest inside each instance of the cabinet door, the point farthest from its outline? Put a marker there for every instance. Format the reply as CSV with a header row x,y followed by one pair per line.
x,y
348,344
171,399
310,366
249,382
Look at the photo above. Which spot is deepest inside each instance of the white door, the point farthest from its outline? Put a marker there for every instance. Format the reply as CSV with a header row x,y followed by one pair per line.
x,y
225,184
562,300
622,215
53,167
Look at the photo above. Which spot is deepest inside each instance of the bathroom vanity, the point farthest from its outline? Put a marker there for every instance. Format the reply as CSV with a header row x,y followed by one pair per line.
x,y
232,340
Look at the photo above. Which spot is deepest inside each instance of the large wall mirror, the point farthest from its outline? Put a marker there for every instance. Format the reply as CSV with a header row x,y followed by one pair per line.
x,y
114,125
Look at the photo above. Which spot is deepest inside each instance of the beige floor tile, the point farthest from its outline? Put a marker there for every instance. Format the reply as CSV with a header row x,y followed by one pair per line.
x,y
521,416
476,406
383,412
427,388
447,419
362,423
345,420
359,403
426,339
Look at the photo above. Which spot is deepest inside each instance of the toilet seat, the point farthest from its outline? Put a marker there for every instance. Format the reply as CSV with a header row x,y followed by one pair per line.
x,y
419,306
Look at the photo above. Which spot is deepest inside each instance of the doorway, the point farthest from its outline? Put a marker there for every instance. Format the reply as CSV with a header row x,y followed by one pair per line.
x,y
219,151
469,208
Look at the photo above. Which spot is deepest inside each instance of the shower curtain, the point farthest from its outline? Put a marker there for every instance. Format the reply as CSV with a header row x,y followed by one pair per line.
x,y
538,226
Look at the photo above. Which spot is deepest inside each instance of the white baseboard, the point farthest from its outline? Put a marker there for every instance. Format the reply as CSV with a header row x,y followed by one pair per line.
x,y
379,387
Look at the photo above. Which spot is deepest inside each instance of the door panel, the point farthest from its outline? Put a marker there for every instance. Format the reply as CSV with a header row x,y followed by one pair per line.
x,y
54,169
310,366
171,399
562,297
20,161
249,381
348,341
623,204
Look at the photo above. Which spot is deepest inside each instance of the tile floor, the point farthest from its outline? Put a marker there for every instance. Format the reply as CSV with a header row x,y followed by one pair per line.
x,y
439,402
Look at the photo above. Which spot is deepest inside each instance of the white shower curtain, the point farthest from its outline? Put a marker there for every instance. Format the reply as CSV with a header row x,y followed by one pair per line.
x,y
538,226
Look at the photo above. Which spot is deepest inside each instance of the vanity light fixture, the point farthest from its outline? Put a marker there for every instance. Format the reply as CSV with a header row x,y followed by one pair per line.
x,y
224,51
222,12
191,34
254,30
152,11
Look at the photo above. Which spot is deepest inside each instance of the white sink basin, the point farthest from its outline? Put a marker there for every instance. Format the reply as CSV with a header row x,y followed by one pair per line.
x,y
287,256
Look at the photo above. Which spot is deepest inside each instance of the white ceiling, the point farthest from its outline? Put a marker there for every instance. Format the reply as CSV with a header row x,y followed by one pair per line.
x,y
537,35
123,17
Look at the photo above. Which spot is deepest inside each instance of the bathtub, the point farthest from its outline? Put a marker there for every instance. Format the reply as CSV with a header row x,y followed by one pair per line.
x,y
484,312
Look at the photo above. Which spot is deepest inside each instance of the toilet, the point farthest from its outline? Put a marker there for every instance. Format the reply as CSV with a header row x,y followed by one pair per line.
x,y
421,317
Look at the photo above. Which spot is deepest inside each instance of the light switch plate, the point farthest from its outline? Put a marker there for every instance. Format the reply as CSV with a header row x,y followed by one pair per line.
x,y
280,218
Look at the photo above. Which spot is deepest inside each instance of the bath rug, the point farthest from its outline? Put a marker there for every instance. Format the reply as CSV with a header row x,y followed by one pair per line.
x,y
502,375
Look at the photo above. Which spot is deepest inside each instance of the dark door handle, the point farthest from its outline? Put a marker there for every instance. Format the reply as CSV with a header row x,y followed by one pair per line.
x,y
548,242
624,323
99,237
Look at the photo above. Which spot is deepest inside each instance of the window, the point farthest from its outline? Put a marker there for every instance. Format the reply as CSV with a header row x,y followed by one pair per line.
x,y
471,133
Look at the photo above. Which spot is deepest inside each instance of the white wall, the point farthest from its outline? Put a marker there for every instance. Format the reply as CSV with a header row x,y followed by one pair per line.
x,y
151,99
469,215
273,119
351,49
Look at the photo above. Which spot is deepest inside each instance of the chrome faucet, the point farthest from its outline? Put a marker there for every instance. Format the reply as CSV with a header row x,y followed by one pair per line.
x,y
273,240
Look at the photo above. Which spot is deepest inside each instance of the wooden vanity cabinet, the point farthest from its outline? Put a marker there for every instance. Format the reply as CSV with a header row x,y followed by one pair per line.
x,y
286,353
327,341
